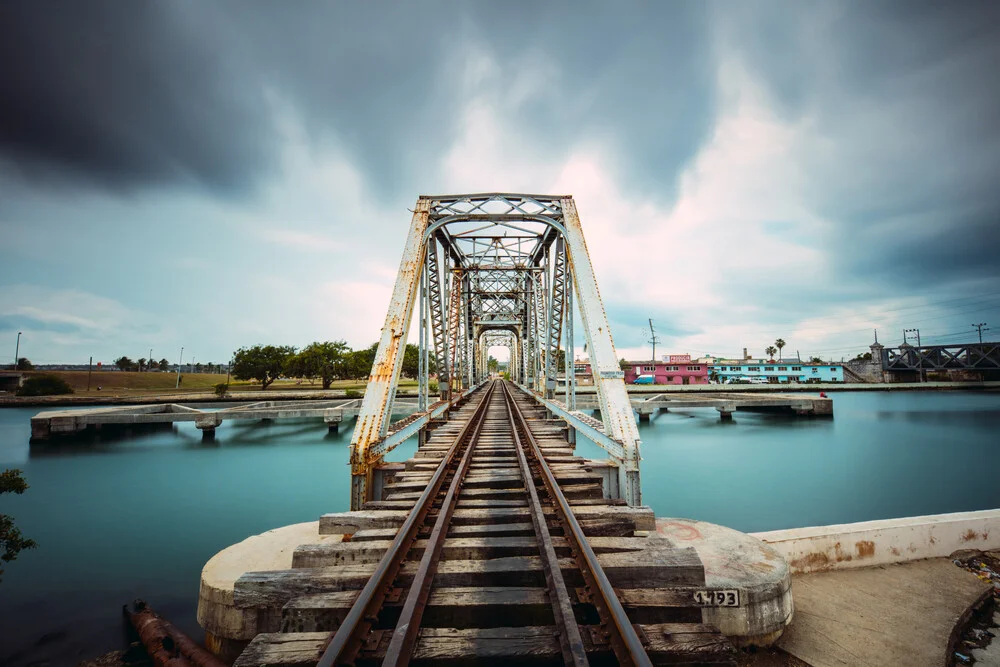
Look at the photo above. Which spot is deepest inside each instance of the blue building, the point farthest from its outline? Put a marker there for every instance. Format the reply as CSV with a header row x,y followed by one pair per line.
x,y
760,371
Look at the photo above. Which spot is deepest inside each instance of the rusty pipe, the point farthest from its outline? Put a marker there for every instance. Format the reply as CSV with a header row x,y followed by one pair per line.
x,y
166,645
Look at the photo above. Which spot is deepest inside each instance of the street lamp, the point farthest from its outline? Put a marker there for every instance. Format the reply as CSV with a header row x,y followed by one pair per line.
x,y
149,360
17,349
179,361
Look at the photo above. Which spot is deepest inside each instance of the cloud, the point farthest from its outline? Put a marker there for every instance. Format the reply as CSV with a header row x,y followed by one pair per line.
x,y
232,175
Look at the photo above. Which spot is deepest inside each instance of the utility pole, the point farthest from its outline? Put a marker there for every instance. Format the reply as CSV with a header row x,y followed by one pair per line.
x,y
150,360
920,368
179,361
653,339
89,364
17,349
980,328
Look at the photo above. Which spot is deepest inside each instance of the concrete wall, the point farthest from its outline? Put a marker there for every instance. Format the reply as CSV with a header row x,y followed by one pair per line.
x,y
871,543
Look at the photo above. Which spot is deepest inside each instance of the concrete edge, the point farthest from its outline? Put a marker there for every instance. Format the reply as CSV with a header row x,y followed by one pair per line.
x,y
869,543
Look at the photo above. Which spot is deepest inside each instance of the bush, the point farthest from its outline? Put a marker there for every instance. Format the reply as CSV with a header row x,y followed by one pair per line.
x,y
353,393
222,389
44,385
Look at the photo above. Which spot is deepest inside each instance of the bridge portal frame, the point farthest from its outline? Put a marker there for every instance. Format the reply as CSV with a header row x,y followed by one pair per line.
x,y
495,262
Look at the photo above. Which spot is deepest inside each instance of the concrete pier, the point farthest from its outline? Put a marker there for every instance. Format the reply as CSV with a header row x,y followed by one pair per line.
x,y
51,423
725,402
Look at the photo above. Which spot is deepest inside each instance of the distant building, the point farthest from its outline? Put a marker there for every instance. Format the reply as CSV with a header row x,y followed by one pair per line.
x,y
673,369
784,370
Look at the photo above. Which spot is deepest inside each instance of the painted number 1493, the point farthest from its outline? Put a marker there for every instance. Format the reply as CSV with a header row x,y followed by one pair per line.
x,y
722,598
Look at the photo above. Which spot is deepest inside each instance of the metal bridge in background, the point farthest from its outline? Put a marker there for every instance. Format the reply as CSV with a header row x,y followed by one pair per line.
x,y
487,270
969,357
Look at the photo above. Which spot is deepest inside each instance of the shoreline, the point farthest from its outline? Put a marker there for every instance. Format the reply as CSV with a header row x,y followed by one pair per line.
x,y
329,394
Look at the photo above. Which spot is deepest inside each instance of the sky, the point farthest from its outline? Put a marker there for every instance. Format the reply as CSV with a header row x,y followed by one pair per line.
x,y
217,175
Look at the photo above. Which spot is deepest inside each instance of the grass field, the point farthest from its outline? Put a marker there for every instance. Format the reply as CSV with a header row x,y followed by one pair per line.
x,y
127,383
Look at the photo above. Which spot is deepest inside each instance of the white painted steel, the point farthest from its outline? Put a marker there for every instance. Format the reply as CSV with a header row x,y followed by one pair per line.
x,y
616,410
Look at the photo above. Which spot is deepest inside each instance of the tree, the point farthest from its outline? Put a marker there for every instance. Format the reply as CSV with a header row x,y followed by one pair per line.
x,y
492,365
770,351
11,541
142,363
24,365
411,362
261,362
779,344
164,365
328,361
360,362
815,360
124,363
197,367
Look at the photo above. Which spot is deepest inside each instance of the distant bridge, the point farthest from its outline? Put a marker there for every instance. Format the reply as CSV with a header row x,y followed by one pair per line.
x,y
968,357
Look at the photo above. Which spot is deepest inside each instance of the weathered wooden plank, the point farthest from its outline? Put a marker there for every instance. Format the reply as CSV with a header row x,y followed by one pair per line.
x,y
464,607
652,568
349,522
667,644
454,548
276,649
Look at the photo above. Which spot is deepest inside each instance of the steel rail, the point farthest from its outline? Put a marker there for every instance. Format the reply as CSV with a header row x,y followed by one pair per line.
x,y
404,637
624,640
573,650
349,638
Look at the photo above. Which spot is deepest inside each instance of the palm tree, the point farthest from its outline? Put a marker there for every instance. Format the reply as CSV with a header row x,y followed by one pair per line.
x,y
770,351
779,344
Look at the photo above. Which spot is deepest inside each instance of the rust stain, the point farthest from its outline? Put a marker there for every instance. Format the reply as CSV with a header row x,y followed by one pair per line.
x,y
970,535
865,548
813,561
839,554
933,540
895,551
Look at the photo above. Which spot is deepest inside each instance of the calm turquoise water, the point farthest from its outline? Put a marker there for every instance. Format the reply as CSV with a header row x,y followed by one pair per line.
x,y
139,517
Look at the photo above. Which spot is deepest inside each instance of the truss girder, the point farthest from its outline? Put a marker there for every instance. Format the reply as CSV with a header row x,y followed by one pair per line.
x,y
556,310
972,356
436,311
497,269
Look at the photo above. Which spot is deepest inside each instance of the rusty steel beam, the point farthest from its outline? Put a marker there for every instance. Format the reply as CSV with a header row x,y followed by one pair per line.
x,y
373,419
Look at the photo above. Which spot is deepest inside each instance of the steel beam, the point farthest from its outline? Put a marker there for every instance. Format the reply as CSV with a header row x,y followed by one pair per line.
x,y
375,408
616,410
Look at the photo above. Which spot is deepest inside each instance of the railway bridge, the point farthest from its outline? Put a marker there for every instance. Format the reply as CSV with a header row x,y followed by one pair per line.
x,y
495,543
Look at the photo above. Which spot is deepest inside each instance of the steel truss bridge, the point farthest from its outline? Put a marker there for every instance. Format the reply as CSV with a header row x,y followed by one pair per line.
x,y
486,270
968,357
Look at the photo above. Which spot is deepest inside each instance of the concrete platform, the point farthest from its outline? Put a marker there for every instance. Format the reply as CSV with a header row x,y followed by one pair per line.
x,y
901,614
735,560
228,629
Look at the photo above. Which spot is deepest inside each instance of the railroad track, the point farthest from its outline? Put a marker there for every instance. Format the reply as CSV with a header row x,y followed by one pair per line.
x,y
495,545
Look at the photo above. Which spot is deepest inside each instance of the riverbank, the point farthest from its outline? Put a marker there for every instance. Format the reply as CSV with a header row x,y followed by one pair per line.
x,y
257,394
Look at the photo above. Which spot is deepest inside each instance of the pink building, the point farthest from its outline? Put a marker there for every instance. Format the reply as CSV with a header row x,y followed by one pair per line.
x,y
675,369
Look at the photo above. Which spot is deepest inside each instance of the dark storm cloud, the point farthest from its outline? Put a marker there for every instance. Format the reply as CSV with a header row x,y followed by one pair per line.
x,y
139,93
124,93
904,106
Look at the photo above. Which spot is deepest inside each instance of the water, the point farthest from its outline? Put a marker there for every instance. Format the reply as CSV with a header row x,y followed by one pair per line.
x,y
138,517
